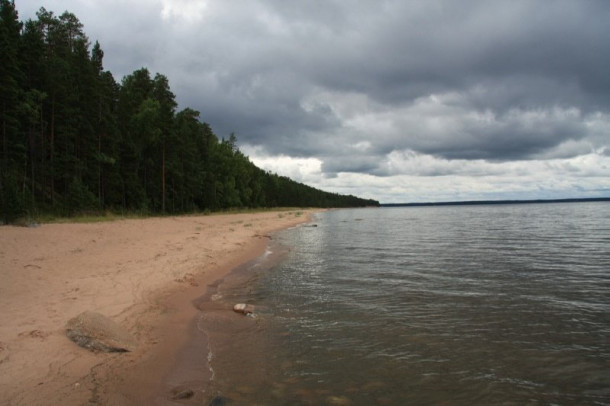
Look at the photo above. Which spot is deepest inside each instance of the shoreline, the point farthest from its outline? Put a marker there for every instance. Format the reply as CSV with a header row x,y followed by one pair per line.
x,y
178,369
143,274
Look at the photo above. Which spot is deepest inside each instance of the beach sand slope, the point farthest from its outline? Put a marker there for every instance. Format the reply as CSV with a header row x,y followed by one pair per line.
x,y
142,274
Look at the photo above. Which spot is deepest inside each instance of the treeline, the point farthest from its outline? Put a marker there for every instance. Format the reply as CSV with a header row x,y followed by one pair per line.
x,y
74,140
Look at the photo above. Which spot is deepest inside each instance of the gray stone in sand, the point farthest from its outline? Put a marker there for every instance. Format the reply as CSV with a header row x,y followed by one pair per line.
x,y
219,401
98,333
181,394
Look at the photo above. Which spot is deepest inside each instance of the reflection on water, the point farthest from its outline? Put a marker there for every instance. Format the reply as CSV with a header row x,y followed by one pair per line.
x,y
432,305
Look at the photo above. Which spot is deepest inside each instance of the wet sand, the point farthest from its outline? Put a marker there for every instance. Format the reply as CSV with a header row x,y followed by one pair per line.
x,y
143,274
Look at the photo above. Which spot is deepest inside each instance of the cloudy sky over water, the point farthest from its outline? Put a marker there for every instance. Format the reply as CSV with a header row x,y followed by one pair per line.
x,y
401,101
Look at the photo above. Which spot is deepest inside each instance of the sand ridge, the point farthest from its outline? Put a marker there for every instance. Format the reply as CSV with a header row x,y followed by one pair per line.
x,y
123,269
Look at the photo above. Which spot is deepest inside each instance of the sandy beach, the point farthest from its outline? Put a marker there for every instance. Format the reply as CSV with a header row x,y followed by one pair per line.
x,y
142,274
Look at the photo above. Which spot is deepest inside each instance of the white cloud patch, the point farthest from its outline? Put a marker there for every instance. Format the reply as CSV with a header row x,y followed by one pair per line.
x,y
306,170
414,177
185,11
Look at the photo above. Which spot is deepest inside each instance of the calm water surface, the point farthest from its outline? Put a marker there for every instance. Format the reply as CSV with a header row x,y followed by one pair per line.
x,y
455,305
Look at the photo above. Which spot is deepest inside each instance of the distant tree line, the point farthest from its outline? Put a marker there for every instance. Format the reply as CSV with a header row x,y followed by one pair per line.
x,y
74,140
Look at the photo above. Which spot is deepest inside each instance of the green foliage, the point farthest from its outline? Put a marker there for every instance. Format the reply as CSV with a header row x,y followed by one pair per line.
x,y
11,201
75,141
79,198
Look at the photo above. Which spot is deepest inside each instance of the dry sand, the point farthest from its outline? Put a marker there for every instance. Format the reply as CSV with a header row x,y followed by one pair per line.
x,y
143,274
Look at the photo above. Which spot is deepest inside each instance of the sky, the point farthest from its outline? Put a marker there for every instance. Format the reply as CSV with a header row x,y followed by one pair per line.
x,y
399,101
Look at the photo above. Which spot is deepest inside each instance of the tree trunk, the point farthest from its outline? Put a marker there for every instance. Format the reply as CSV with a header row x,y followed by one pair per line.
x,y
4,143
43,180
163,178
99,169
52,148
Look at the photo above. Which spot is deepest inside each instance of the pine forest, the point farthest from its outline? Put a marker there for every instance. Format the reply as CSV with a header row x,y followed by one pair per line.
x,y
74,140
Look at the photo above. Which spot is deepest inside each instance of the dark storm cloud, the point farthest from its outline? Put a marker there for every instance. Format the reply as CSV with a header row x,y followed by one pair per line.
x,y
351,163
507,58
471,80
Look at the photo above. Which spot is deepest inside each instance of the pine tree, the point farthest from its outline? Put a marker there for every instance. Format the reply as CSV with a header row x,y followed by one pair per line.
x,y
134,90
167,107
32,117
13,157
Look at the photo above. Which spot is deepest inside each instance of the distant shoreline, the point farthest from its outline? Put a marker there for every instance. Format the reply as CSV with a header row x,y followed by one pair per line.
x,y
490,202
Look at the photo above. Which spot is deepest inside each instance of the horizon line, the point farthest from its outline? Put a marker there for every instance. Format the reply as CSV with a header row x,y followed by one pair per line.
x,y
503,201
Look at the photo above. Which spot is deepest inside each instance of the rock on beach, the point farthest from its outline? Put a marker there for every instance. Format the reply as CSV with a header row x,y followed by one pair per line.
x,y
243,308
97,332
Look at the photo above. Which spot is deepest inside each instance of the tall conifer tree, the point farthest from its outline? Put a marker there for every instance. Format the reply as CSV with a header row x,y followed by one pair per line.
x,y
12,146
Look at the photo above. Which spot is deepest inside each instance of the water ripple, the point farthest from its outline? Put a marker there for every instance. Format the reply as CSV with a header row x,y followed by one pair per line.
x,y
465,305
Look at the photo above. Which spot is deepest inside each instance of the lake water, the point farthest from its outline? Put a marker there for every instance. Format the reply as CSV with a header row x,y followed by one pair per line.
x,y
452,305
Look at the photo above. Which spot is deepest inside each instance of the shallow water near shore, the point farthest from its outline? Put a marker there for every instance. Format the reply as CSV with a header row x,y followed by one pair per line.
x,y
460,305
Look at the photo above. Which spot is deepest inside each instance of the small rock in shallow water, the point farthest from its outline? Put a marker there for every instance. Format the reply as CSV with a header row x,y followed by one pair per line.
x,y
243,308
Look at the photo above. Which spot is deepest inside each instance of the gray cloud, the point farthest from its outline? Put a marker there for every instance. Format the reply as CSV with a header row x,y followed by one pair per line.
x,y
352,84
